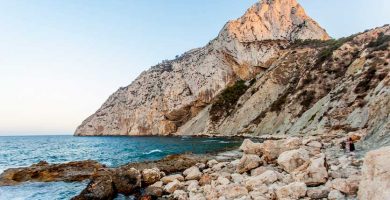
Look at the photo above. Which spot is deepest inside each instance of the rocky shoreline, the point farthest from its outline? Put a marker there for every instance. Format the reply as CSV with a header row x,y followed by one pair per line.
x,y
311,167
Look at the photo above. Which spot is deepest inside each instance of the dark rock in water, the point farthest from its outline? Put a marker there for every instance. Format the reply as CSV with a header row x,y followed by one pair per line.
x,y
107,183
127,181
100,188
44,172
170,164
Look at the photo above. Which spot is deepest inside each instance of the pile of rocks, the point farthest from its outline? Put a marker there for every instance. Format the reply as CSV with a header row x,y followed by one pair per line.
x,y
287,169
292,168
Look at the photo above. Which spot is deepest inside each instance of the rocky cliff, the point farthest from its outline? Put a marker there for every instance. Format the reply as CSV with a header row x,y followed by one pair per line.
x,y
272,71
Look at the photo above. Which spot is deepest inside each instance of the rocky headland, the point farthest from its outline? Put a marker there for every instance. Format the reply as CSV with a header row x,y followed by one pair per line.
x,y
274,71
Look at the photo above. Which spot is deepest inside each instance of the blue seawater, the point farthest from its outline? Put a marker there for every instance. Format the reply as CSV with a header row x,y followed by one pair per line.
x,y
20,151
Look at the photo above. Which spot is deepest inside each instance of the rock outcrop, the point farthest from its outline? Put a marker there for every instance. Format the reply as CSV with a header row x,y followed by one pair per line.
x,y
375,182
164,99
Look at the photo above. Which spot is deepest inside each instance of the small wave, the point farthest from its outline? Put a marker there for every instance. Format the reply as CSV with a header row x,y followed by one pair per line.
x,y
210,141
224,142
153,151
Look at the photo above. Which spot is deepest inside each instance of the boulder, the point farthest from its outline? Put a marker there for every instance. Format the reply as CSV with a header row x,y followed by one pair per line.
x,y
223,181
126,181
211,163
258,171
375,181
154,190
248,162
196,196
99,188
219,166
192,185
271,149
205,180
237,178
150,176
254,182
180,195
318,192
314,144
250,147
290,160
170,178
232,191
335,195
192,173
173,186
292,191
312,173
348,186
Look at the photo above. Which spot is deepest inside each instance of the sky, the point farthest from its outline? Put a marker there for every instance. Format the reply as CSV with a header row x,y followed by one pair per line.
x,y
60,60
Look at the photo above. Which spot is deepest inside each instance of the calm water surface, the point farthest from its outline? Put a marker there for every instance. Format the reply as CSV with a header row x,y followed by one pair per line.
x,y
112,151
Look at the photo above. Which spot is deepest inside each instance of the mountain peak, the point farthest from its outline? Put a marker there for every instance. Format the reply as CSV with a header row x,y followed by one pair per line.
x,y
274,20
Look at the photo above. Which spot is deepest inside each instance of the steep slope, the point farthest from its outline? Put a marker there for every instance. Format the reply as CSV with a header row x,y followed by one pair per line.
x,y
313,87
167,96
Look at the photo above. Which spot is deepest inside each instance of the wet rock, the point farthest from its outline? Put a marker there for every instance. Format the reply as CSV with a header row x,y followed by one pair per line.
x,y
170,178
150,176
375,182
192,173
292,191
44,172
100,188
249,147
313,173
290,160
126,181
171,164
248,162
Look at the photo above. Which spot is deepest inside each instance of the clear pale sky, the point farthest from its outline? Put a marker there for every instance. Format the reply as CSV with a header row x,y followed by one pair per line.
x,y
61,59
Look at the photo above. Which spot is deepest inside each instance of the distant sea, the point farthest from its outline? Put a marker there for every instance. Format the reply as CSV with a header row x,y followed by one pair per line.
x,y
20,151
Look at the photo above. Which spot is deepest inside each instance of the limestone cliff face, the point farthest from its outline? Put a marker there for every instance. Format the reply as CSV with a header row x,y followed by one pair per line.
x,y
312,87
167,96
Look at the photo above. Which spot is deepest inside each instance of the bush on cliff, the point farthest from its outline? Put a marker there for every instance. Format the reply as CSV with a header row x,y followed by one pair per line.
x,y
227,100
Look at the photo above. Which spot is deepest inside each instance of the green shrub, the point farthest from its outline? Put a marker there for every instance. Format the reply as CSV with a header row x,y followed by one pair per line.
x,y
227,100
381,43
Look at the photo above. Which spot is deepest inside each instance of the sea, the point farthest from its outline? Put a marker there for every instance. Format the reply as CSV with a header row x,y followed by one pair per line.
x,y
21,151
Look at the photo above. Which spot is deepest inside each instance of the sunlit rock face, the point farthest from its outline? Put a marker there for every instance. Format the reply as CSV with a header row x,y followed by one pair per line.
x,y
166,98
